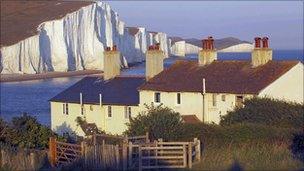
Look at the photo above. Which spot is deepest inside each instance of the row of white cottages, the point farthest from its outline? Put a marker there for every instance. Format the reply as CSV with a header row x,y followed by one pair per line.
x,y
200,90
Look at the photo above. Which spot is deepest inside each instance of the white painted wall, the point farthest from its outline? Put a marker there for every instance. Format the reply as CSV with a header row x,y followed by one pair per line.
x,y
288,87
192,103
97,114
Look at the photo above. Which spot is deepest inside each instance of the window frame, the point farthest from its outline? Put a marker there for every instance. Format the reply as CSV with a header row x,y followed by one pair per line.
x,y
129,111
214,100
82,110
223,97
178,99
65,109
157,100
109,111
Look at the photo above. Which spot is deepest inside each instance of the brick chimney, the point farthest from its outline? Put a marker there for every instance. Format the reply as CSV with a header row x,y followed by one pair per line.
x,y
154,61
111,63
261,54
208,53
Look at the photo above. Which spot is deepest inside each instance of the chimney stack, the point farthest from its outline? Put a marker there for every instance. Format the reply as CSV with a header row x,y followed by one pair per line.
x,y
261,55
111,63
208,54
154,61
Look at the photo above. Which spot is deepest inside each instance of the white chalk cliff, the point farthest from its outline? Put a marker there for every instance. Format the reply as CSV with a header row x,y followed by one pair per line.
x,y
77,41
181,48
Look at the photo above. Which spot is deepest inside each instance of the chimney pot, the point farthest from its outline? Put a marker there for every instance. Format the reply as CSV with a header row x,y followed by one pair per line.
x,y
114,48
265,42
108,48
257,43
157,46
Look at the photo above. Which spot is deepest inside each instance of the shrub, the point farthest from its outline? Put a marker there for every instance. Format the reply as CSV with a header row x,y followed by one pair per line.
x,y
297,146
160,122
237,133
268,112
27,132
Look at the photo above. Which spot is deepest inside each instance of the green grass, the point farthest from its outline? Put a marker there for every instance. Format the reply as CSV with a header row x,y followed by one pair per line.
x,y
256,155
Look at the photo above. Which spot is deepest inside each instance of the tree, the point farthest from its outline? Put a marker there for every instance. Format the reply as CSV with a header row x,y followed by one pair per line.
x,y
267,111
27,132
159,121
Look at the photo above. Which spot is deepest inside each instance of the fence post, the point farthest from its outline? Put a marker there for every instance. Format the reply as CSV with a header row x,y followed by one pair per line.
x,y
184,156
53,151
139,158
190,154
147,137
125,154
103,154
2,157
130,154
33,160
199,150
82,145
117,156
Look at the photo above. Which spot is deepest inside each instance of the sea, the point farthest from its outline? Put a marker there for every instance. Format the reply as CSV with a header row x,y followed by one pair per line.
x,y
32,97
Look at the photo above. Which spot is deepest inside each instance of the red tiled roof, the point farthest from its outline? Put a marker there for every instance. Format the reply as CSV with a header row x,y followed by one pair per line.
x,y
237,77
190,119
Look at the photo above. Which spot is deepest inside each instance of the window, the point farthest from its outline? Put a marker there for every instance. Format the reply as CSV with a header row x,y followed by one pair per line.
x,y
82,110
109,111
65,107
239,101
157,97
91,108
213,99
128,112
223,98
178,98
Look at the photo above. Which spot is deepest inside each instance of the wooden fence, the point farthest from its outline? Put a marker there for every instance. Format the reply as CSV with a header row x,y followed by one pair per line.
x,y
12,158
128,155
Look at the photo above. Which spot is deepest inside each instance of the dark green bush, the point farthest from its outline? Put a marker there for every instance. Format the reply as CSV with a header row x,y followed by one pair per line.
x,y
26,132
160,122
237,133
268,112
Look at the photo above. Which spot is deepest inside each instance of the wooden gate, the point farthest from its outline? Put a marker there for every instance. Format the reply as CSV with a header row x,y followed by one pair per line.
x,y
162,155
64,153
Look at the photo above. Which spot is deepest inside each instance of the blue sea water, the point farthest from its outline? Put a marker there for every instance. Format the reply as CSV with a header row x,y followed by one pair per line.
x,y
32,96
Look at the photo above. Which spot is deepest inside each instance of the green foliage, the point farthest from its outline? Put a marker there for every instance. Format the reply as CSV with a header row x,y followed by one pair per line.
x,y
237,133
268,112
254,155
159,121
27,132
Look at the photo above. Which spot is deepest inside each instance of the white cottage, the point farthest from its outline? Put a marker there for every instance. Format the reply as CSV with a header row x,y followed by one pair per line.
x,y
200,90
208,88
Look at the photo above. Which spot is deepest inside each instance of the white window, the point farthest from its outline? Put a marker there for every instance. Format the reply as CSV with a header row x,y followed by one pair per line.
x,y
109,111
128,112
223,98
157,97
65,108
178,98
213,99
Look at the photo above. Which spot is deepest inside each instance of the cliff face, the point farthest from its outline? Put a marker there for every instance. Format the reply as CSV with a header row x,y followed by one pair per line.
x,y
192,46
76,41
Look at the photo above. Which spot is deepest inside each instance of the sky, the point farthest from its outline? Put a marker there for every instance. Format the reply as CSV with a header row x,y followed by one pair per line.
x,y
281,21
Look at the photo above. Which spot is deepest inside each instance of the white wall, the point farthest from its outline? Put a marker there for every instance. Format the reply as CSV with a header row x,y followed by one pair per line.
x,y
62,123
288,87
192,103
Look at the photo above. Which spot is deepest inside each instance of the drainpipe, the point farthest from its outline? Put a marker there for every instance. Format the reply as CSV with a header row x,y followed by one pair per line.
x,y
204,92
